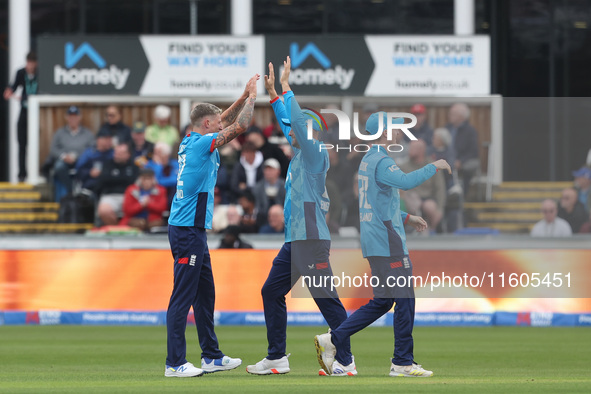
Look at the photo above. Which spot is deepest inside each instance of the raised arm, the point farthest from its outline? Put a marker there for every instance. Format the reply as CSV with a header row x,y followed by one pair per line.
x,y
390,174
229,116
242,120
276,103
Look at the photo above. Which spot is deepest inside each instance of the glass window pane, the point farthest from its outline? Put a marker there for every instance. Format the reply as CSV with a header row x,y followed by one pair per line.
x,y
118,17
54,17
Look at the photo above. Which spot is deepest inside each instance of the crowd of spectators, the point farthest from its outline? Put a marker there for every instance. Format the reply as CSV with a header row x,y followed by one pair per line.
x,y
571,213
250,188
129,172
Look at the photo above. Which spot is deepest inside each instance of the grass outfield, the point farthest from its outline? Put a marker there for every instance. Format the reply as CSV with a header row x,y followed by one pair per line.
x,y
131,359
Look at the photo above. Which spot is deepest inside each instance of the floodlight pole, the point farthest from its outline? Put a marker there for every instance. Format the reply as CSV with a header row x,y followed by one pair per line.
x,y
19,38
241,11
464,17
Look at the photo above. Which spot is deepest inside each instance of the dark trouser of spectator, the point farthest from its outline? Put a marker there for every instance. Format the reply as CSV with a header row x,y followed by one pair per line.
x,y
143,224
468,170
21,129
61,170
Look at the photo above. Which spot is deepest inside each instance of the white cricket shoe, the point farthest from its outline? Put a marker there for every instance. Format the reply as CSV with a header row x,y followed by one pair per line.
x,y
325,351
209,365
339,369
410,371
187,370
268,367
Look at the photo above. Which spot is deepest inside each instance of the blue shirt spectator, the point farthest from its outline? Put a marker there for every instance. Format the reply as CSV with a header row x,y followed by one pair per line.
x,y
92,160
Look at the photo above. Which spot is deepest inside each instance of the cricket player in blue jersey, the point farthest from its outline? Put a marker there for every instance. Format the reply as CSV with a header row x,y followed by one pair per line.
x,y
307,238
383,243
190,216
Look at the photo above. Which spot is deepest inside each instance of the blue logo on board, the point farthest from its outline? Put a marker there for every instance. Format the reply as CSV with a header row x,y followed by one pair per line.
x,y
73,56
310,49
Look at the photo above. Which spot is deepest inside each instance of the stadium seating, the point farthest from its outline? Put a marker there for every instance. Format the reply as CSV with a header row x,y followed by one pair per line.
x,y
515,206
22,211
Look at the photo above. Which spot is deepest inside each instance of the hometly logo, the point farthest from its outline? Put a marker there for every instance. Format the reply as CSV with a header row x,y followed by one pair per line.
x,y
88,76
316,76
395,121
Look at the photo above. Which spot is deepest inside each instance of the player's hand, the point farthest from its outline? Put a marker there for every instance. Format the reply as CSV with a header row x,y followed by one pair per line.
x,y
251,86
270,82
417,222
442,165
285,74
8,93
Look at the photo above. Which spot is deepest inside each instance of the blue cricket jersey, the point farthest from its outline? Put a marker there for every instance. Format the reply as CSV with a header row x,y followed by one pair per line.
x,y
306,200
382,221
199,161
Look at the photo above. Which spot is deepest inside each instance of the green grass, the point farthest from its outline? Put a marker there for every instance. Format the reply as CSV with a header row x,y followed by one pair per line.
x,y
131,359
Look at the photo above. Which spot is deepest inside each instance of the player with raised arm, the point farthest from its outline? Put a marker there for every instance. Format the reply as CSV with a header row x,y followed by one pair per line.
x,y
307,238
190,216
383,243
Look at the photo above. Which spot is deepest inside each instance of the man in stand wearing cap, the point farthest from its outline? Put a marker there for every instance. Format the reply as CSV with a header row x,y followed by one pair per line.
x,y
383,243
67,145
583,186
271,189
141,150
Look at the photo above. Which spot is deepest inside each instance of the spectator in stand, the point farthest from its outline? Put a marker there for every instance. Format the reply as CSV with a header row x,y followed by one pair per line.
x,y
572,210
144,202
232,239
341,173
222,185
271,189
422,130
464,142
165,168
275,221
224,216
268,149
115,126
162,130
141,150
93,159
551,225
339,185
273,130
117,174
27,78
441,148
68,143
248,171
251,219
350,155
432,192
583,186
